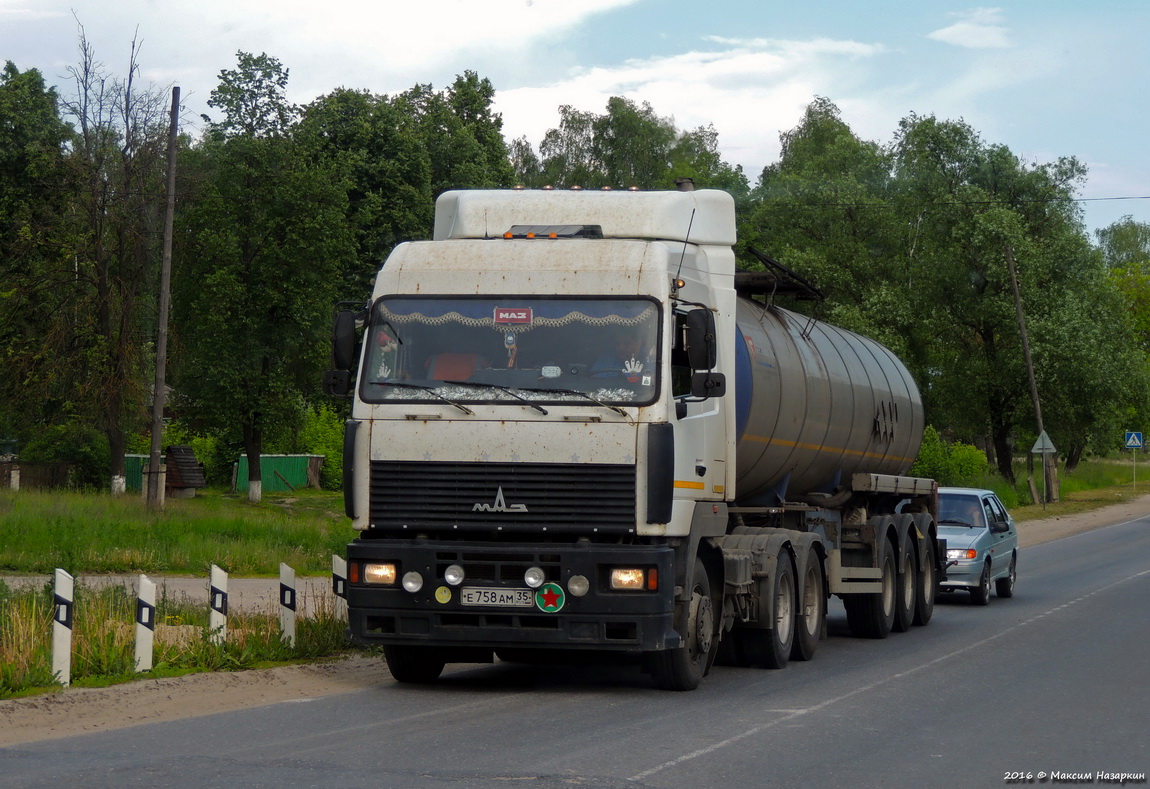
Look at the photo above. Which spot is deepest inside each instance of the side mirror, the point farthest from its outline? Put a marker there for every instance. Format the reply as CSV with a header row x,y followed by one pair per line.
x,y
702,351
343,341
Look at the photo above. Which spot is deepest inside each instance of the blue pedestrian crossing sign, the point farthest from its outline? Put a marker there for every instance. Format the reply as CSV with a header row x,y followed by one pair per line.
x,y
1133,440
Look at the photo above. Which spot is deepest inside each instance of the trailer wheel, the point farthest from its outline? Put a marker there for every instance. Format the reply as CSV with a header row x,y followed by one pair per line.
x,y
684,667
927,582
413,664
906,589
812,613
872,615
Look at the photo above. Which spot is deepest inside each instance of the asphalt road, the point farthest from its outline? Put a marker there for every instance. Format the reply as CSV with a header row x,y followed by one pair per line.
x,y
1051,681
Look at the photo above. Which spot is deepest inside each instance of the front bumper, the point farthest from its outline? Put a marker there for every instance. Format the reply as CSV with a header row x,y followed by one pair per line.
x,y
962,574
633,621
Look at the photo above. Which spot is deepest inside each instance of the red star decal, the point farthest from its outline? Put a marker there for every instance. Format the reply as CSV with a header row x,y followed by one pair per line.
x,y
550,598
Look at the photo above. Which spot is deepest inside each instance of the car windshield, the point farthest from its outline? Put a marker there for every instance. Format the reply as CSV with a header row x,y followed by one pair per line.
x,y
512,350
960,510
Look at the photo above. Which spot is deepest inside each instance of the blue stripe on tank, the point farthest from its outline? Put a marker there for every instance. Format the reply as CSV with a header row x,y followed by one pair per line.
x,y
744,388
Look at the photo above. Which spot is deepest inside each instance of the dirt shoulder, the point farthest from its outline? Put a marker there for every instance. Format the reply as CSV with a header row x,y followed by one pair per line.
x,y
77,711
1034,532
83,711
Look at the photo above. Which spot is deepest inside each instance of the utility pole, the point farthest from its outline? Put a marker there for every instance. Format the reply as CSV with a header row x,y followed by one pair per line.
x,y
155,479
1046,475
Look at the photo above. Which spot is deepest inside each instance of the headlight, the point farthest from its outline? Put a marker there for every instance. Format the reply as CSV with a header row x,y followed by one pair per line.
x,y
961,553
626,578
453,575
382,574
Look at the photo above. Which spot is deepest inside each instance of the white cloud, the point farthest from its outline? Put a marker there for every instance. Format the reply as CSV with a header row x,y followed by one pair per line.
x,y
749,89
978,28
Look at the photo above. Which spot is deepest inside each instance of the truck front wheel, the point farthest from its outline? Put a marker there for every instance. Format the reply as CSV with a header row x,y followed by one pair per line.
x,y
684,667
413,664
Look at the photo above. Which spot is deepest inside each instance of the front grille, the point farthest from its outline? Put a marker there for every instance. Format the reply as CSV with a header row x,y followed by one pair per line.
x,y
515,498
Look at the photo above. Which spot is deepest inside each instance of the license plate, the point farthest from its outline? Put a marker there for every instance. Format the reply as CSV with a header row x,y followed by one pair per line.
x,y
515,598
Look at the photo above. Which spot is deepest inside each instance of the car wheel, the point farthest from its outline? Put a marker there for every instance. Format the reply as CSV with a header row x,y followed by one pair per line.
x,y
1004,587
980,595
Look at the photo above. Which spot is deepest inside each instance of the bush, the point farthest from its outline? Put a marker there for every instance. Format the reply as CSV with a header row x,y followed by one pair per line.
x,y
76,443
949,464
322,434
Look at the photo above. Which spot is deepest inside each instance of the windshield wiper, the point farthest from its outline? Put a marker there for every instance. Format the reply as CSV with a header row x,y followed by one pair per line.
x,y
956,520
511,392
594,400
422,388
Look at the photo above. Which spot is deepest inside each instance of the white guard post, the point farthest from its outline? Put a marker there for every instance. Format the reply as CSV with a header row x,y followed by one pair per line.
x,y
287,605
339,584
218,616
62,628
145,623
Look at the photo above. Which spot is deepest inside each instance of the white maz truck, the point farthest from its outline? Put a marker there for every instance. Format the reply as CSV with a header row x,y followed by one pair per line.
x,y
577,428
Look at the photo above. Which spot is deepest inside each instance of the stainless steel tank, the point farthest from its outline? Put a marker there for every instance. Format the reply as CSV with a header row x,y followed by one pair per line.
x,y
816,404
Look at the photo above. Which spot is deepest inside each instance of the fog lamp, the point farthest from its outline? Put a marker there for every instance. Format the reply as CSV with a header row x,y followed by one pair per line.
x,y
453,575
534,577
412,581
578,585
382,574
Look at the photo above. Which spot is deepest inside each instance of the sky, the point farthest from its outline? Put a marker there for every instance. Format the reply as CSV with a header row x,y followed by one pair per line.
x,y
1045,78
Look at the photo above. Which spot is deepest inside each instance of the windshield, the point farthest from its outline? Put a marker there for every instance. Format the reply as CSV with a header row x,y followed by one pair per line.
x,y
961,510
512,349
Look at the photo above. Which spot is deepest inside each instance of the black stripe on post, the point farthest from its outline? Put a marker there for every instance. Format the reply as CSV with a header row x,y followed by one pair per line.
x,y
145,614
63,611
287,597
219,601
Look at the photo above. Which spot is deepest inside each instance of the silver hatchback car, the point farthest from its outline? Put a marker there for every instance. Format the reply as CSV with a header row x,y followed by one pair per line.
x,y
981,543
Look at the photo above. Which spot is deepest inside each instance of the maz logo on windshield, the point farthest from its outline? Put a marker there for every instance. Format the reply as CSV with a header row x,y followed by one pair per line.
x,y
500,505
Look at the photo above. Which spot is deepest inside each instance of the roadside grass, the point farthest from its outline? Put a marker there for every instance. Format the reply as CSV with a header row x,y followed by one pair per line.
x,y
95,533
1096,483
103,640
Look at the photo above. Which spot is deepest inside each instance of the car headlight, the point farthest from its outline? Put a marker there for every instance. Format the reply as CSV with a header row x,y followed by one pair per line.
x,y
961,553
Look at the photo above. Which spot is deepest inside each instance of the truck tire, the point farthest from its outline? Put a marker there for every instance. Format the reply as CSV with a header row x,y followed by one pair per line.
x,y
927,581
771,647
980,595
812,613
1004,587
684,667
906,589
412,664
872,615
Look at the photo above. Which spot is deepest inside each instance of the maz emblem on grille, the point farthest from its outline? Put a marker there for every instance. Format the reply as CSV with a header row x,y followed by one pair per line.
x,y
500,505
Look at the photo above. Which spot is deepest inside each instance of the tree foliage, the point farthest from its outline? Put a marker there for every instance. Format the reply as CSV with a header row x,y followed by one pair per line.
x,y
284,210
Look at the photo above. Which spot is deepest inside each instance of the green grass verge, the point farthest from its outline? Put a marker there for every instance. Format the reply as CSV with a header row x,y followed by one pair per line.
x,y
96,533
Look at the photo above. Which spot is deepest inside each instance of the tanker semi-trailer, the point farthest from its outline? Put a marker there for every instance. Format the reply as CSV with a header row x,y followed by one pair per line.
x,y
576,428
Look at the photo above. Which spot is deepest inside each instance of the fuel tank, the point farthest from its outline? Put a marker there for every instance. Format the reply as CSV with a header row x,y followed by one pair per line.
x,y
814,405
